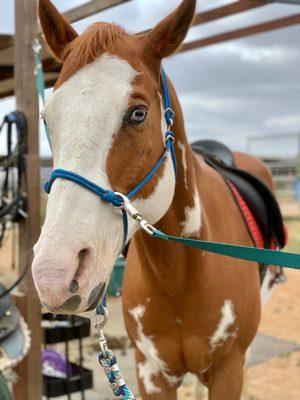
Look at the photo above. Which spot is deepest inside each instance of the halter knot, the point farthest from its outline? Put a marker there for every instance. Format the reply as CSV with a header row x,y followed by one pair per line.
x,y
111,197
108,196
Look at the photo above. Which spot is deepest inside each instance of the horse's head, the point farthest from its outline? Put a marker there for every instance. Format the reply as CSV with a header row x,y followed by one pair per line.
x,y
106,123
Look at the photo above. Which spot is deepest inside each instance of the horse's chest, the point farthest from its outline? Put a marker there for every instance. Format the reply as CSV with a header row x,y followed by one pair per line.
x,y
169,347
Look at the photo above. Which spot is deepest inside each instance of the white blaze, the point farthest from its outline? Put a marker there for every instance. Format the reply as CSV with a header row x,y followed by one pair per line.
x,y
83,115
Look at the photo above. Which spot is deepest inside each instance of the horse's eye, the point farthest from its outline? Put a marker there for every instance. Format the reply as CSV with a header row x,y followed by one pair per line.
x,y
136,115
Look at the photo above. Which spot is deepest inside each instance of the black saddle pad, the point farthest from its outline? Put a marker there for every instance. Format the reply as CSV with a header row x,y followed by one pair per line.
x,y
258,196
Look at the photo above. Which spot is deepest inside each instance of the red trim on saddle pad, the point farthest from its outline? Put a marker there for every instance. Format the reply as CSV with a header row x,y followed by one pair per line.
x,y
249,218
251,222
286,234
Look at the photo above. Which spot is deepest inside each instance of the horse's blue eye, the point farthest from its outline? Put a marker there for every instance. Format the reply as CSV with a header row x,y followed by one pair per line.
x,y
136,115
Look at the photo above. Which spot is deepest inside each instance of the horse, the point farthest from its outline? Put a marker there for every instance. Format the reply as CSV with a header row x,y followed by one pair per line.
x,y
185,310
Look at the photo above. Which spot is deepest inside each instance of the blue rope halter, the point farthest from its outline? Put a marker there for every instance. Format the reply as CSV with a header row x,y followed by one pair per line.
x,y
115,198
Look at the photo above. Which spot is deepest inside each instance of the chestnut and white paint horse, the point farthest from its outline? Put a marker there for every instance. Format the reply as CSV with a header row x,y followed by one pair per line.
x,y
185,310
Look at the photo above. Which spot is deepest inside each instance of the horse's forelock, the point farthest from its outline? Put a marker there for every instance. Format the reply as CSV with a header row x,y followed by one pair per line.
x,y
98,38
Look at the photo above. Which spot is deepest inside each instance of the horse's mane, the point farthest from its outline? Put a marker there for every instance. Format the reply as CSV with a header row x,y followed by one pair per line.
x,y
98,38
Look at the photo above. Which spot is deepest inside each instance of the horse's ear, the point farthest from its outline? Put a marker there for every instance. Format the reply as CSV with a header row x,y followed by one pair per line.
x,y
58,32
168,35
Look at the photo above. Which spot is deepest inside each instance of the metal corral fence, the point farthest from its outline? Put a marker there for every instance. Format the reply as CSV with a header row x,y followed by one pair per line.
x,y
287,181
281,152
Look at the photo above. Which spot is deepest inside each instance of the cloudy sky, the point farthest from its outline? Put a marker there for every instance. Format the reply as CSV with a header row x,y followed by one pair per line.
x,y
231,91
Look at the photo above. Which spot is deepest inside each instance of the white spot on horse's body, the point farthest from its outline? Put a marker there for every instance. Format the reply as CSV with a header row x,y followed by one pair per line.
x,y
192,223
267,287
182,148
153,364
227,320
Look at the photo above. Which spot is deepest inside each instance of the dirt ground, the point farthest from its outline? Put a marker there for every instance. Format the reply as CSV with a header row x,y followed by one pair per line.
x,y
278,378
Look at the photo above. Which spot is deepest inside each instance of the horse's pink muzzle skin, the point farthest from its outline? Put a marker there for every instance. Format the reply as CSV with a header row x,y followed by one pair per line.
x,y
63,280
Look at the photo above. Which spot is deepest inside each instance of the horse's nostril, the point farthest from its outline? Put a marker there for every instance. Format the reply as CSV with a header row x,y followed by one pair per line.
x,y
83,255
74,287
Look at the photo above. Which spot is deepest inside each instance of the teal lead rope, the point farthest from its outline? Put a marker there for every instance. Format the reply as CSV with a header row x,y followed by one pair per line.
x,y
112,371
107,358
254,254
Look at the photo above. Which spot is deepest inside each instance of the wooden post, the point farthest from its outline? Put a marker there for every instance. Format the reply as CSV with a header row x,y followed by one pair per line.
x,y
26,28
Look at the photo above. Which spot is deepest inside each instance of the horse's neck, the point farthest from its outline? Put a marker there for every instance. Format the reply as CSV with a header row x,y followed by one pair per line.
x,y
183,217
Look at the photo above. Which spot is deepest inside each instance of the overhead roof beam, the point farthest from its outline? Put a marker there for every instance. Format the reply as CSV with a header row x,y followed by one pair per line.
x,y
90,8
239,33
288,1
6,72
6,41
73,15
49,82
95,6
228,10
